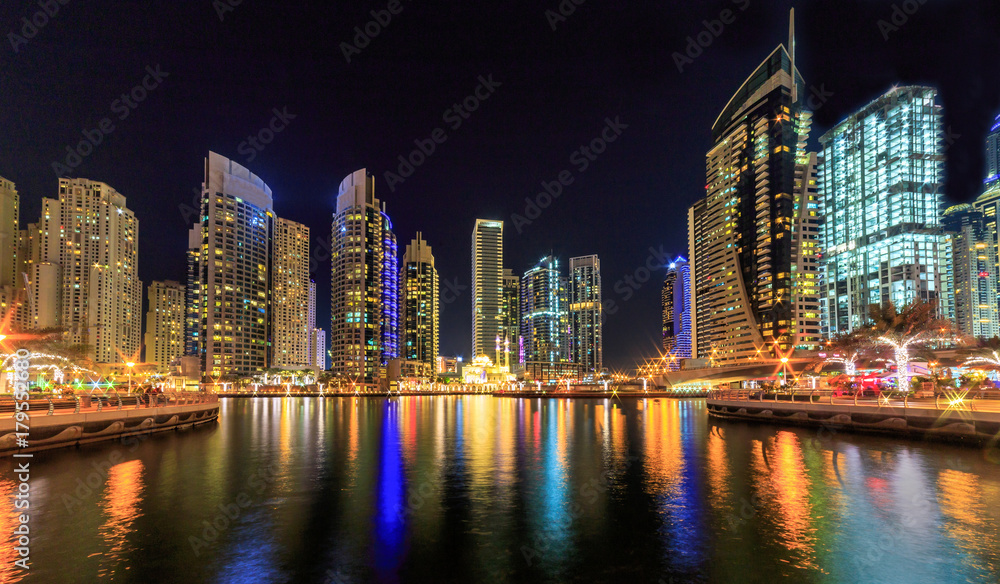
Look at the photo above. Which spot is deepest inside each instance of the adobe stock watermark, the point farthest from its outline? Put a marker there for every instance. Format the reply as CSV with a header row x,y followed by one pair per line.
x,y
562,12
900,15
122,108
224,6
711,30
232,511
453,117
580,159
30,26
364,35
627,286
255,143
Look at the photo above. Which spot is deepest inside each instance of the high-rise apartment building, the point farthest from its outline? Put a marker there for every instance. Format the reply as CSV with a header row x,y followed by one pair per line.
x,y
419,288
87,277
974,272
510,320
229,277
317,344
989,205
880,182
165,314
544,316
742,235
290,288
11,297
675,303
487,288
364,306
9,232
585,334
993,155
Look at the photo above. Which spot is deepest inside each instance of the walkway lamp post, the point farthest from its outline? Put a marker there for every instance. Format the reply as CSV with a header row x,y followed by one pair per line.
x,y
130,365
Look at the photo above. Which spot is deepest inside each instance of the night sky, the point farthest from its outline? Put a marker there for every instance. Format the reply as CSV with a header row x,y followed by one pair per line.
x,y
226,76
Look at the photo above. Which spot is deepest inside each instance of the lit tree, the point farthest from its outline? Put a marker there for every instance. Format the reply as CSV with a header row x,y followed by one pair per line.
x,y
903,330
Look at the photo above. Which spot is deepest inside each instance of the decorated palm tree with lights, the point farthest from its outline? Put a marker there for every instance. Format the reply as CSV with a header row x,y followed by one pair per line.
x,y
904,331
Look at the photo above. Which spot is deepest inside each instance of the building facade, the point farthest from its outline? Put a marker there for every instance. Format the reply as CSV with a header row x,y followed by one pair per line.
x,y
675,302
165,314
880,181
544,315
419,287
974,272
9,232
586,327
993,155
510,320
229,275
87,277
741,235
362,281
487,287
290,287
989,205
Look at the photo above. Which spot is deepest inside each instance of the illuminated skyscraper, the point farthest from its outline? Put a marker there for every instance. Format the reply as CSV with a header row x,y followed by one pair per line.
x,y
487,287
881,177
9,232
364,306
675,301
989,205
87,278
510,319
10,286
974,272
290,295
229,271
164,338
742,235
421,307
993,155
544,317
586,328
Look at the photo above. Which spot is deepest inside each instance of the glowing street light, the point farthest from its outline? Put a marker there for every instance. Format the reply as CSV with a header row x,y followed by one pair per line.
x,y
130,365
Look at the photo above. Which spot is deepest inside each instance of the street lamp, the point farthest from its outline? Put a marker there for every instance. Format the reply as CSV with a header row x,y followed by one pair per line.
x,y
130,366
784,369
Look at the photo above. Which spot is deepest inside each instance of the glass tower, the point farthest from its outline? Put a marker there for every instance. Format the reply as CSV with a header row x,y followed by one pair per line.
x,y
675,301
974,272
419,289
364,308
881,176
544,320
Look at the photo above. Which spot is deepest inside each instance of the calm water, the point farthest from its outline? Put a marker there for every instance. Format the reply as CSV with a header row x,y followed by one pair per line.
x,y
478,489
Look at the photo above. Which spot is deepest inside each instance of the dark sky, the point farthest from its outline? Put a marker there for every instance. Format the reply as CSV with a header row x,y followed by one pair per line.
x,y
606,60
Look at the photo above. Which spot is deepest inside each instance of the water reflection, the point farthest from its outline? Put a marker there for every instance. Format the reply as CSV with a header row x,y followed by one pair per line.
x,y
474,488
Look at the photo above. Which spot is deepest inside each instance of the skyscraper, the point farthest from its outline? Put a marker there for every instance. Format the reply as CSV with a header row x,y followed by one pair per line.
x,y
87,279
421,306
9,232
487,287
989,205
10,298
675,301
544,319
317,344
881,176
742,233
229,277
510,320
164,338
974,272
363,281
290,295
586,338
993,155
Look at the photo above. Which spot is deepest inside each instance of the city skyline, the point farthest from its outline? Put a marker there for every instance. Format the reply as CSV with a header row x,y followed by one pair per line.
x,y
823,56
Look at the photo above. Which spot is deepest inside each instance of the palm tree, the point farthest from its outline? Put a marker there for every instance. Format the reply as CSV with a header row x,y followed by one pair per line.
x,y
904,329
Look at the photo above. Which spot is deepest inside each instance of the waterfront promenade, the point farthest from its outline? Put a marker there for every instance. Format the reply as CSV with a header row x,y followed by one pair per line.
x,y
960,416
56,423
